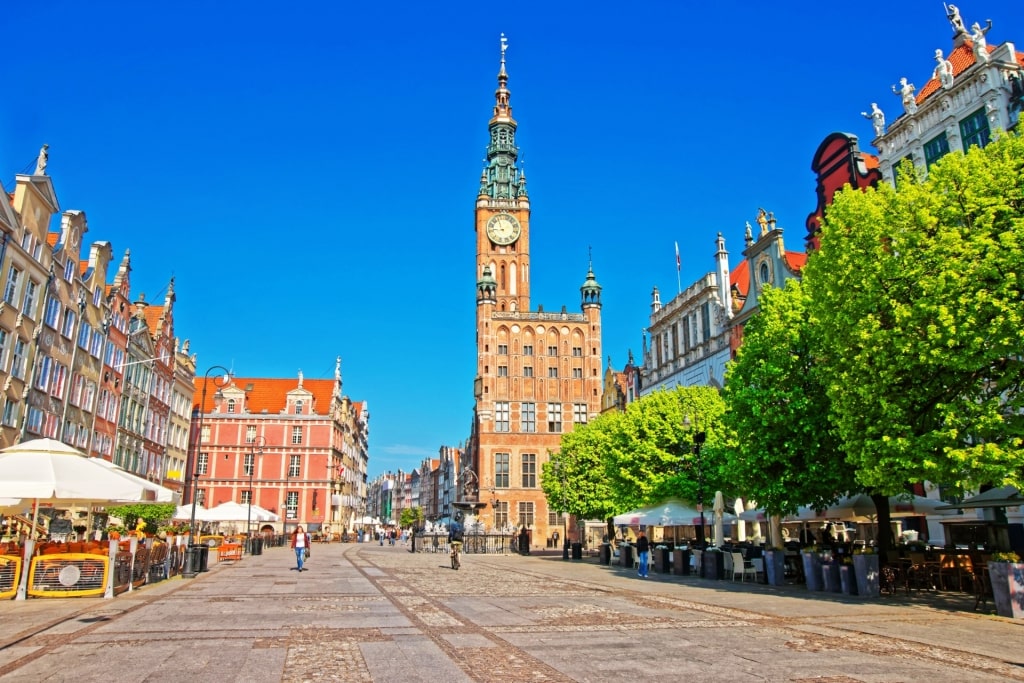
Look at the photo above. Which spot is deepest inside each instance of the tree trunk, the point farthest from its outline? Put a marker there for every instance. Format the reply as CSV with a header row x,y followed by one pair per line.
x,y
884,531
775,532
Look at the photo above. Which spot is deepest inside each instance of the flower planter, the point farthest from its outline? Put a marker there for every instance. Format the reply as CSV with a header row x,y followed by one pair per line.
x,y
865,567
848,579
1007,579
830,577
775,566
812,570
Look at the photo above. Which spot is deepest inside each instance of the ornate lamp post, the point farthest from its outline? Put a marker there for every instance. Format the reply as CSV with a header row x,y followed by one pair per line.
x,y
255,448
697,443
220,382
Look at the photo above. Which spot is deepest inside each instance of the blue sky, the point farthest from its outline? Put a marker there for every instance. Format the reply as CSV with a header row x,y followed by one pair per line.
x,y
307,172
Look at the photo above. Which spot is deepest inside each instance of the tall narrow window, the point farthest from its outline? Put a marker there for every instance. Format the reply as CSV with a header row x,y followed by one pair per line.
x,y
974,130
501,514
296,435
11,287
501,417
250,433
231,405
28,304
291,505
250,461
935,149
19,358
529,467
203,465
526,512
555,418
298,406
529,417
246,497
294,463
501,470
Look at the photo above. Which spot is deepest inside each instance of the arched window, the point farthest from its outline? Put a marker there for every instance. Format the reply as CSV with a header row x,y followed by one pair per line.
x,y
231,405
298,406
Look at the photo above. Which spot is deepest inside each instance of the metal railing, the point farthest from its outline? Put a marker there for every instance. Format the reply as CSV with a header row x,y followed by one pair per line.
x,y
472,543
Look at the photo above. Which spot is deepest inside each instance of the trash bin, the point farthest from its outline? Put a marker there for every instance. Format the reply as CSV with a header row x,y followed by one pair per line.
x,y
626,555
606,553
190,565
681,561
255,545
577,551
204,557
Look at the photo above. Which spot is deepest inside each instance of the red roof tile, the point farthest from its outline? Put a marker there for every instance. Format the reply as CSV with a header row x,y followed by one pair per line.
x,y
270,394
961,58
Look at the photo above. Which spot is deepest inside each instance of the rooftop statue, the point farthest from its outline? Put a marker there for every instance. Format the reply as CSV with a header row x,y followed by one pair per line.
x,y
906,92
943,70
877,119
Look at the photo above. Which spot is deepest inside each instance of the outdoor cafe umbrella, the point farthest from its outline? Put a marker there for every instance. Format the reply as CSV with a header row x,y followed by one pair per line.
x,y
237,512
1000,497
161,494
47,470
861,508
670,512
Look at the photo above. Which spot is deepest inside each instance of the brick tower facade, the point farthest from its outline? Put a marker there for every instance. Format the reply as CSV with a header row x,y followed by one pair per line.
x,y
538,374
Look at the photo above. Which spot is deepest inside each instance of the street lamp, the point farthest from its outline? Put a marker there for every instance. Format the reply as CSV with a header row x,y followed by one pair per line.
x,y
255,448
698,439
220,382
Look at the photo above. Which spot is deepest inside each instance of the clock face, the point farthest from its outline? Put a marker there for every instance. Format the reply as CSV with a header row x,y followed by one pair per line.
x,y
503,228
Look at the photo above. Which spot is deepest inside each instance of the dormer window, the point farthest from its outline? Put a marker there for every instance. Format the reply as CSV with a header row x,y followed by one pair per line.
x,y
231,405
298,406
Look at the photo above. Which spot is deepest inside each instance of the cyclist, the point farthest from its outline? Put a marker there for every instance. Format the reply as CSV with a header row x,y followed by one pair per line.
x,y
455,540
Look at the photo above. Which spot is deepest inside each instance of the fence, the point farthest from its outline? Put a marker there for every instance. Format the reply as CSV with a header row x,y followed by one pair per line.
x,y
472,543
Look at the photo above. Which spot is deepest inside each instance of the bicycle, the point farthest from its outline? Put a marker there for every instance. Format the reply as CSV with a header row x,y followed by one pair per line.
x,y
456,553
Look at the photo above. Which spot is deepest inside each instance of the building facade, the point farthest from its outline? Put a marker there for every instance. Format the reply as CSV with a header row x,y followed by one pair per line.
x,y
538,373
78,361
292,446
972,92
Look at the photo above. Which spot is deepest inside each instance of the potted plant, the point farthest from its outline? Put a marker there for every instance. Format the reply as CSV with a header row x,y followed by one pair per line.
x,y
1006,574
866,571
812,568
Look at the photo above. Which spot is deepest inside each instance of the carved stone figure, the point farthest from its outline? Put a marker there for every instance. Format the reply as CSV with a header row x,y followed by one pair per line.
x,y
943,70
877,119
906,92
44,157
980,44
953,14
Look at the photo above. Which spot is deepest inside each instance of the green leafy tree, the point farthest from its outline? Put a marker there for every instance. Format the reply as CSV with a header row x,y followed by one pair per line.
x,y
784,450
154,515
917,291
651,453
575,478
412,517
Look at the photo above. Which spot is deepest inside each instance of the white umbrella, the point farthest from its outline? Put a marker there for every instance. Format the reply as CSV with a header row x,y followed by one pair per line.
x,y
185,512
49,470
162,493
671,512
237,512
861,508
719,510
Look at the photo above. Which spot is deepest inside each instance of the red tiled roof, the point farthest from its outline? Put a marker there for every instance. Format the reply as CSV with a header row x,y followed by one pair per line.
x,y
870,160
153,314
739,278
796,260
961,58
52,237
269,394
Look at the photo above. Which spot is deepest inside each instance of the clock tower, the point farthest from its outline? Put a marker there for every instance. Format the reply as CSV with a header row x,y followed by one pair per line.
x,y
539,373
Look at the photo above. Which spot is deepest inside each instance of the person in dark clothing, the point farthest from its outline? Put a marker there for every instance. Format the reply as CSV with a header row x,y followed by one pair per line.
x,y
643,549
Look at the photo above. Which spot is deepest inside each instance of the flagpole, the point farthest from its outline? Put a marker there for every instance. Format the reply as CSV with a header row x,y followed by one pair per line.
x,y
679,268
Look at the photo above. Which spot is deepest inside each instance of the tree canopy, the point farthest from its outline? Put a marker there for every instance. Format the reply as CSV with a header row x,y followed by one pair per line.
x,y
783,452
916,291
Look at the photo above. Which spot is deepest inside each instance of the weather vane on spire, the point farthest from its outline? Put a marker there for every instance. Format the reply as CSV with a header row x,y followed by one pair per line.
x,y
504,46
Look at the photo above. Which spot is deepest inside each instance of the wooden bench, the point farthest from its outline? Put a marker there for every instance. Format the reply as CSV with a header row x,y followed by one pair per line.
x,y
229,552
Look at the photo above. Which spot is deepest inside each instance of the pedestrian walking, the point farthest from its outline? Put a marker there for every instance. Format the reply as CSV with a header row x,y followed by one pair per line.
x,y
300,544
643,549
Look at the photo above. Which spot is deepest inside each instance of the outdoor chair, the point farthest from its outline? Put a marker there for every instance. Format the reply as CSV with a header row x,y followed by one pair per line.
x,y
742,567
758,563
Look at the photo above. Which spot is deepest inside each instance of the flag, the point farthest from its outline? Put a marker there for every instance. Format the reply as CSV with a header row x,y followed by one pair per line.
x,y
679,263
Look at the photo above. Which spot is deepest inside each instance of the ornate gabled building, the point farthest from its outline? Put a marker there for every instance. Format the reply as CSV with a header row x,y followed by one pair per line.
x,y
538,374
689,337
292,446
973,91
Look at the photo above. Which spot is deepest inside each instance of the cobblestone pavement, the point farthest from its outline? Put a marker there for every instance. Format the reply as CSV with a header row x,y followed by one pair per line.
x,y
362,612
